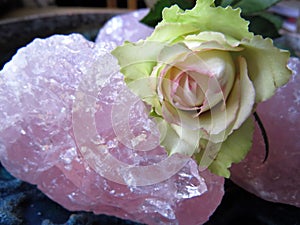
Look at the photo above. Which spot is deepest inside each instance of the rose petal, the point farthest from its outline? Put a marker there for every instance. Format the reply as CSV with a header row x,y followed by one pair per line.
x,y
207,40
247,91
267,66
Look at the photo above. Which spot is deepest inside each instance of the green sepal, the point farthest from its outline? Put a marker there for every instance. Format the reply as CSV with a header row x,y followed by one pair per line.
x,y
233,149
254,6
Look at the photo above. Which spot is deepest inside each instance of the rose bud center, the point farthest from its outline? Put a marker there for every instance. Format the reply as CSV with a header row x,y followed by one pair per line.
x,y
200,80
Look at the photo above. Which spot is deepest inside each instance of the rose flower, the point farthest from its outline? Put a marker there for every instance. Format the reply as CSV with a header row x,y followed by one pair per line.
x,y
202,72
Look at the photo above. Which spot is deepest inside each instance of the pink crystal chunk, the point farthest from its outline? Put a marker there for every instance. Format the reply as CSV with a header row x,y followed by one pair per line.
x,y
124,27
69,125
278,179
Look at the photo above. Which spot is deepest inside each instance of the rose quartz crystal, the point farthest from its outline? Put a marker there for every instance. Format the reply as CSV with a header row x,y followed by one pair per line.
x,y
69,125
278,179
124,27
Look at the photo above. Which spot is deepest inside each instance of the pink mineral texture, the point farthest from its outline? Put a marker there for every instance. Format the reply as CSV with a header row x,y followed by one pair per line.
x,y
124,27
278,179
69,125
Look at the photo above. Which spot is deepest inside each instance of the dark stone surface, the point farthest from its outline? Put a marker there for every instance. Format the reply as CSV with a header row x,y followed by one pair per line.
x,y
7,5
16,32
93,3
23,204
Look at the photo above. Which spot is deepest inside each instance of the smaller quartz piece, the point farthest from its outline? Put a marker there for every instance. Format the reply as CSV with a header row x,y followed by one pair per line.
x,y
278,179
124,27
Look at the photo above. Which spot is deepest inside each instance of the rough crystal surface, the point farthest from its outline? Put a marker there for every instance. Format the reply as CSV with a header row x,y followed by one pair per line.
x,y
124,27
69,125
278,179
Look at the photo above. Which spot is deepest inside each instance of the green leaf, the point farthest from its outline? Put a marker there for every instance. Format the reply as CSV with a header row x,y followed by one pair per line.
x,y
155,14
265,24
225,3
262,26
254,6
234,149
274,19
